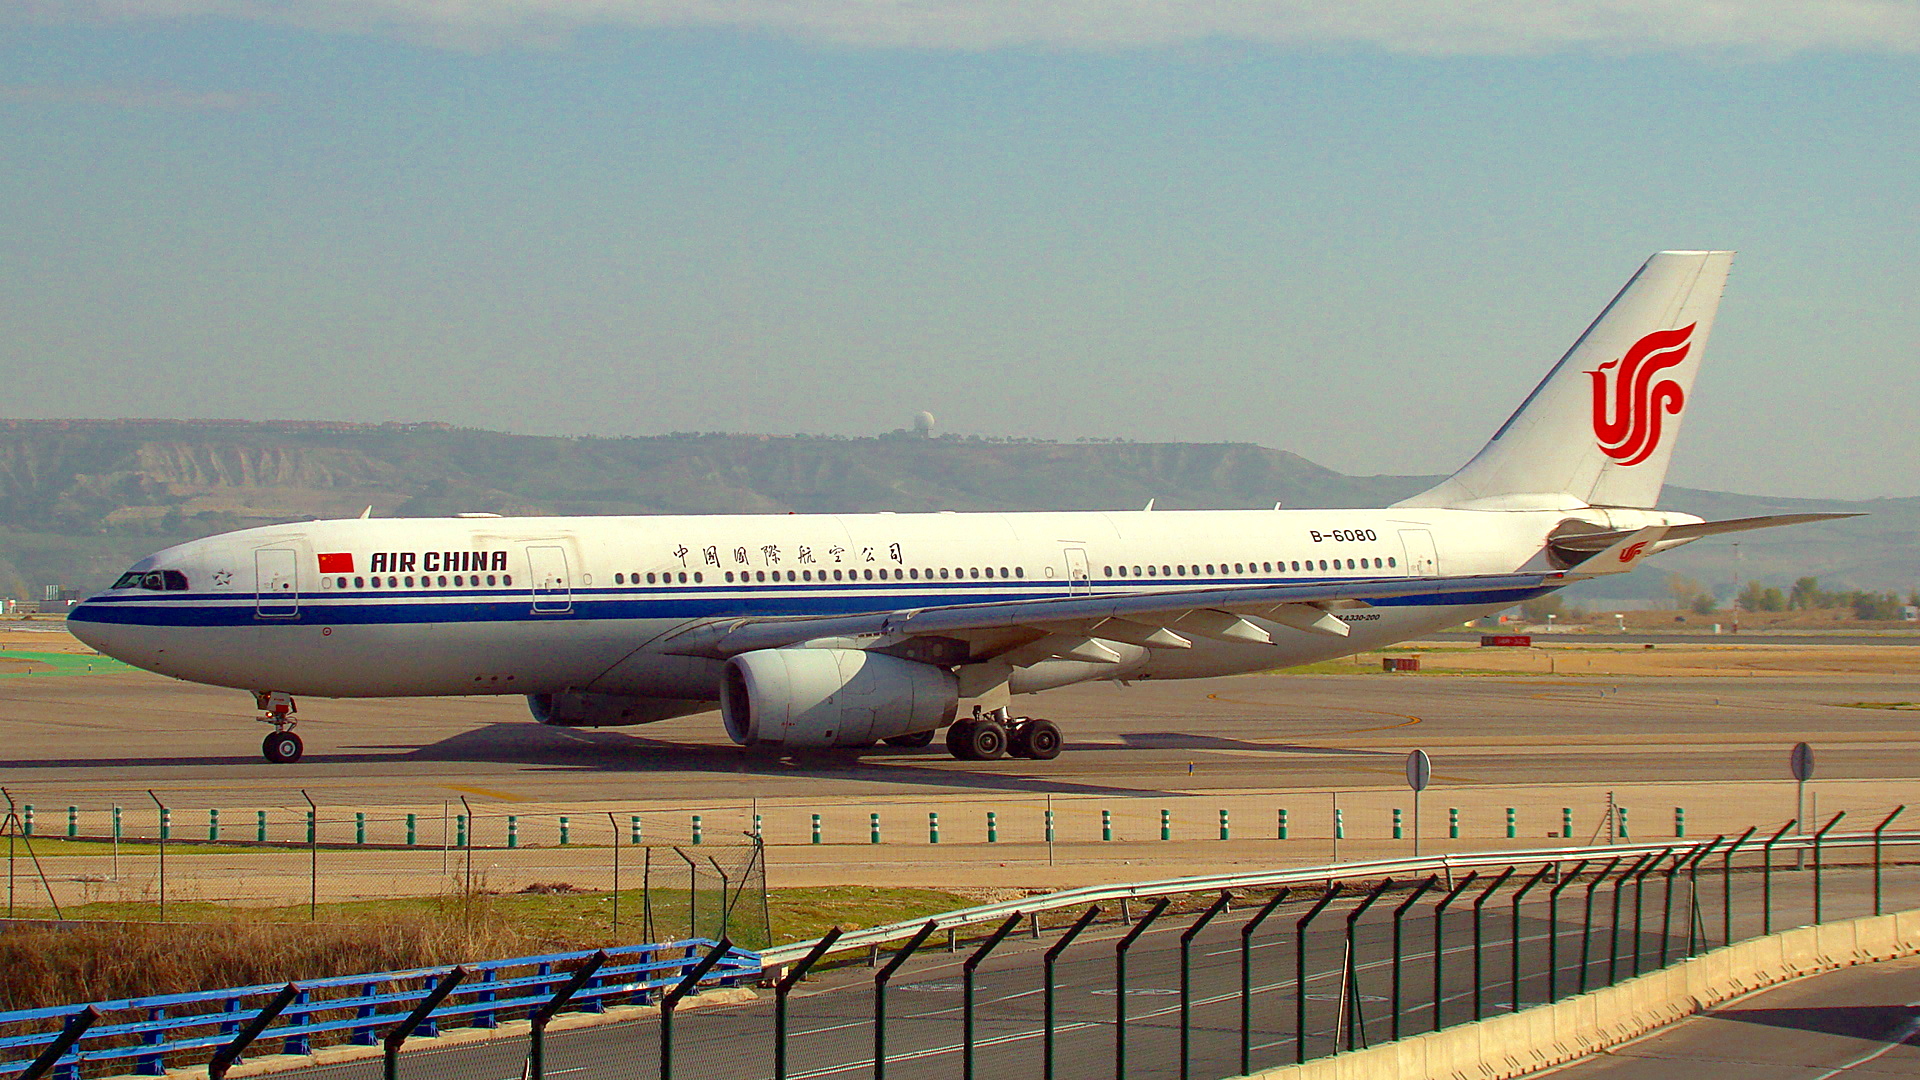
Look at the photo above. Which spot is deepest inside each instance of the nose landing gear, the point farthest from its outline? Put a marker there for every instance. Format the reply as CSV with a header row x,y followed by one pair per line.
x,y
994,735
281,746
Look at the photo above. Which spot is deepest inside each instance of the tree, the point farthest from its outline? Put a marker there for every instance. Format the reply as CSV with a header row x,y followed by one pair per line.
x,y
1805,594
1538,608
1876,607
1704,604
1758,597
1684,590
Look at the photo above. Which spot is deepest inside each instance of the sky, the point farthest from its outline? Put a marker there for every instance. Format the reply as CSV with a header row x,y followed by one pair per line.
x,y
1356,231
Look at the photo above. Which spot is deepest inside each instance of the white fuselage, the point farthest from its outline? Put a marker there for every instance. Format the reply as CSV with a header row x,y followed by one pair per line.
x,y
547,605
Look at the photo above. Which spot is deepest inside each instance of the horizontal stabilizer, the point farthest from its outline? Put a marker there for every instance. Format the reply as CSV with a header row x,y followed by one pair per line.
x,y
1586,543
1623,554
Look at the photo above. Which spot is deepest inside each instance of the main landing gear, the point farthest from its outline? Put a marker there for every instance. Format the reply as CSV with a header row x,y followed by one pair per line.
x,y
994,735
281,746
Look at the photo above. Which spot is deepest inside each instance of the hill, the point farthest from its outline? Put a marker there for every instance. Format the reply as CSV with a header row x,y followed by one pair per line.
x,y
81,499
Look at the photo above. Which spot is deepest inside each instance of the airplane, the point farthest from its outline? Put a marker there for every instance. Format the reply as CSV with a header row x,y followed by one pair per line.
x,y
845,630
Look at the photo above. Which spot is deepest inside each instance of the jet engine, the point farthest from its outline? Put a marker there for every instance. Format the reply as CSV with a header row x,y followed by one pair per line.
x,y
831,697
580,709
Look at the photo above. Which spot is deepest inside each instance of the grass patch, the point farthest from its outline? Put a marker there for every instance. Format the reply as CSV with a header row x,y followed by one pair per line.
x,y
52,847
58,663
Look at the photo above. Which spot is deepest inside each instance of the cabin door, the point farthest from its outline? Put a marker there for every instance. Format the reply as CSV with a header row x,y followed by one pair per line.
x,y
1422,559
552,587
1078,572
276,589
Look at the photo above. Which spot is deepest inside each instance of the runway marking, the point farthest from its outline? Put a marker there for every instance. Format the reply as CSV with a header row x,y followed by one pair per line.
x,y
485,793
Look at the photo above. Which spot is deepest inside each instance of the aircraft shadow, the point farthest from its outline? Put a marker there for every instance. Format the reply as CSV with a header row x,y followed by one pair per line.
x,y
1871,1022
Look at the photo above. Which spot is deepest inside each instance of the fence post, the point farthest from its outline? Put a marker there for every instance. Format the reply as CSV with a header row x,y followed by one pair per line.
x,y
1696,929
784,987
166,831
537,1023
880,980
1877,830
1818,837
967,969
1639,908
1356,1023
225,1057
1246,977
1399,912
420,1013
1586,929
671,1001
1519,896
1553,930
1186,978
1613,924
70,1033
1766,878
1120,986
1300,971
1726,887
1047,962
1439,940
1479,975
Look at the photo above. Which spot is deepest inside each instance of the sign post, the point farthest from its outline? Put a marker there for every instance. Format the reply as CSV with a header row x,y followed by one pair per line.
x,y
1419,775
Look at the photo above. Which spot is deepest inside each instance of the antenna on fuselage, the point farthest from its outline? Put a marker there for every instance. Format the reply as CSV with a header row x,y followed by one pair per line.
x,y
367,513
1147,507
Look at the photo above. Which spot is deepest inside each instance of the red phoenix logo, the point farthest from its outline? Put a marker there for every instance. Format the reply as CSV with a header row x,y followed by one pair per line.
x,y
1627,407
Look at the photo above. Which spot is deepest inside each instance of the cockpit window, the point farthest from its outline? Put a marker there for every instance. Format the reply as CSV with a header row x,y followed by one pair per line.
x,y
128,580
155,580
176,581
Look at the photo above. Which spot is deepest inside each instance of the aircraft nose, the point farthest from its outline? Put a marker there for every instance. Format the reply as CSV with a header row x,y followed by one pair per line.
x,y
88,622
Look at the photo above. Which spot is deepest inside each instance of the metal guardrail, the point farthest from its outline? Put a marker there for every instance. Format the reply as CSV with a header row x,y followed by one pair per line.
x,y
146,1031
778,958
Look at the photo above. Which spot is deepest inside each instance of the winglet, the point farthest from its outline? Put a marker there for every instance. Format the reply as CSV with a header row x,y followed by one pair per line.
x,y
1624,554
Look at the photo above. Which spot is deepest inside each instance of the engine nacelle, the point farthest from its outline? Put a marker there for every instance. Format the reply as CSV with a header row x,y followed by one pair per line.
x,y
831,697
579,709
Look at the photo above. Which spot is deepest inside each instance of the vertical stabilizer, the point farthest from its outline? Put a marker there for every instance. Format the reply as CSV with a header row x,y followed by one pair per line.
x,y
1599,429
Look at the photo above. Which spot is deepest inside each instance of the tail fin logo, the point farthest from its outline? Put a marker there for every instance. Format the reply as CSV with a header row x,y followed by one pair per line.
x,y
1628,404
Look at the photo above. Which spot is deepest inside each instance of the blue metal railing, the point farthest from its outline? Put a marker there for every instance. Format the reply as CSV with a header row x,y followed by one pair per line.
x,y
146,1031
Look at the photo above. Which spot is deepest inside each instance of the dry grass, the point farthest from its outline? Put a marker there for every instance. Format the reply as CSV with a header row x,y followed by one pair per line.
x,y
43,966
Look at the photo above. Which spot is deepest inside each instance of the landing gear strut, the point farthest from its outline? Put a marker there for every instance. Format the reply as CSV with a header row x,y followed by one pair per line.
x,y
281,746
994,735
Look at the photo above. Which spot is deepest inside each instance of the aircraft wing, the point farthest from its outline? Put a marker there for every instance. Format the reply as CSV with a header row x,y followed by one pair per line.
x,y
1067,626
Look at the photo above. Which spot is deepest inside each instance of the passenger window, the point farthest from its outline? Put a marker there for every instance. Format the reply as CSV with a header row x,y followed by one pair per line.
x,y
943,573
1393,562
459,580
649,579
489,579
729,576
340,583
619,579
1209,569
973,572
359,583
696,577
1019,571
1181,570
506,579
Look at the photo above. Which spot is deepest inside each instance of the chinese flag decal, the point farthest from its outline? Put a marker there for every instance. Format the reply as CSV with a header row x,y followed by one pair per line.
x,y
339,562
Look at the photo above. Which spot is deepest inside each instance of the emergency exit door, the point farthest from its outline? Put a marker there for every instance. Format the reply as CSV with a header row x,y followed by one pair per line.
x,y
552,587
276,586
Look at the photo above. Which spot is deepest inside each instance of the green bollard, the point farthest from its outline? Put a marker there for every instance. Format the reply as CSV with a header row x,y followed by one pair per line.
x,y
359,826
312,826
933,826
1397,835
116,823
636,829
28,824
1622,811
696,830
513,831
993,827
1566,823
816,828
1512,826
1226,833
566,834
459,830
1049,826
73,821
757,834
873,827
1680,821
1339,824
166,824
1106,824
413,829
1453,823
1166,824
213,824
1282,834
260,826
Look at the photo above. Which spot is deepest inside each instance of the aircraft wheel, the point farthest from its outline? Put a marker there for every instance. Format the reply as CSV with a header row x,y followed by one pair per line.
x,y
1037,739
983,740
912,741
282,747
958,737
